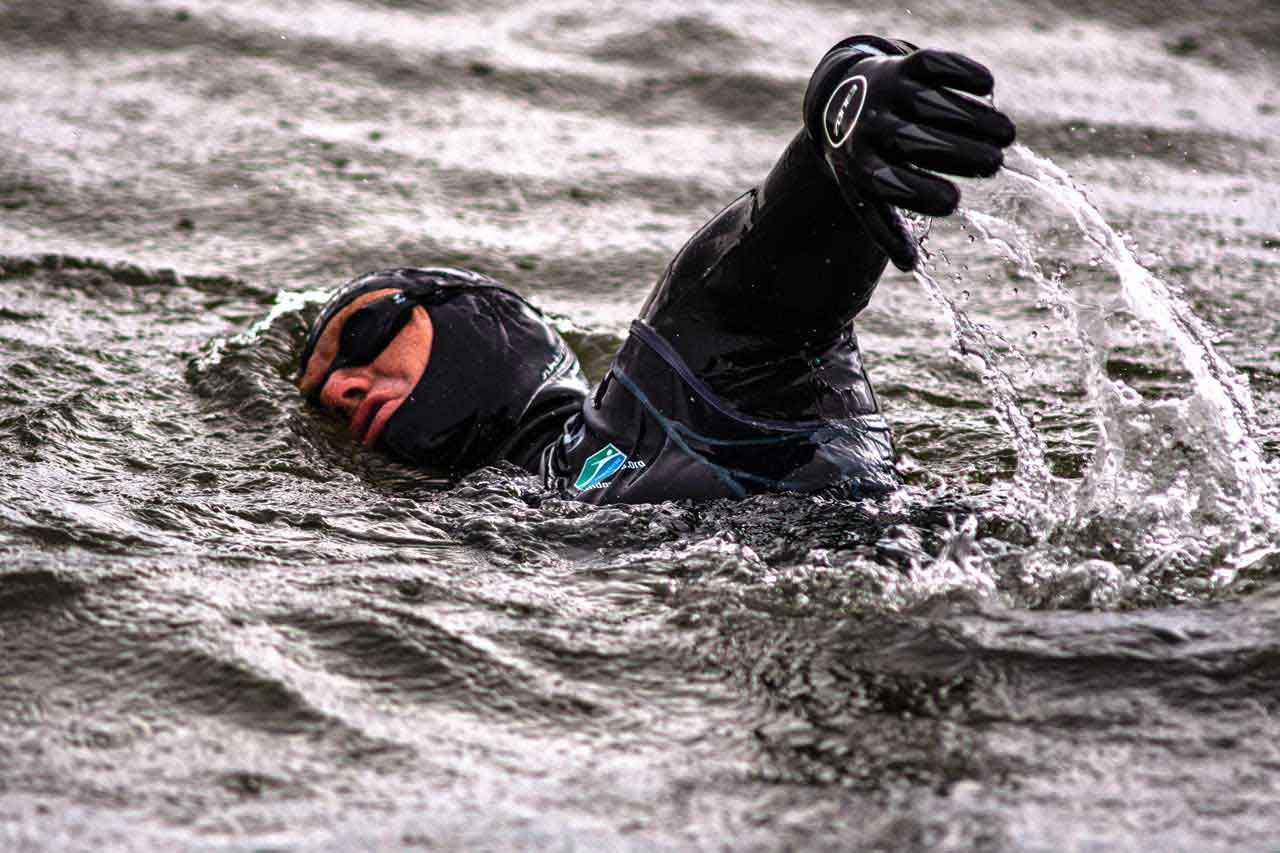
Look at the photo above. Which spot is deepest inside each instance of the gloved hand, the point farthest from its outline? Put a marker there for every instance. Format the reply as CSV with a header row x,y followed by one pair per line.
x,y
879,120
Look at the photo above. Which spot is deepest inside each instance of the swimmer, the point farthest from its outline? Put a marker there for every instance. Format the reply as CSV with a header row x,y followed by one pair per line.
x,y
742,373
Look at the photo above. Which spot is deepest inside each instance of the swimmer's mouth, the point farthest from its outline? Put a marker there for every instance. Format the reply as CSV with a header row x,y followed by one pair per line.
x,y
371,418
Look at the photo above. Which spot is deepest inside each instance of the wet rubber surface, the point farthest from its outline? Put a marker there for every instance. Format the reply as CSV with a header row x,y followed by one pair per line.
x,y
224,627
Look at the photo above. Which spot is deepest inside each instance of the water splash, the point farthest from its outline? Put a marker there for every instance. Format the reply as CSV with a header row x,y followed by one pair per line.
x,y
977,340
1216,380
1173,482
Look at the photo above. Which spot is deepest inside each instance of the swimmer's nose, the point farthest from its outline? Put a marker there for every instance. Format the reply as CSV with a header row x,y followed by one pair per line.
x,y
344,390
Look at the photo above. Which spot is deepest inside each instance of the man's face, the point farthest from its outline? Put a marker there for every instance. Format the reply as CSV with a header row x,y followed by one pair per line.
x,y
368,396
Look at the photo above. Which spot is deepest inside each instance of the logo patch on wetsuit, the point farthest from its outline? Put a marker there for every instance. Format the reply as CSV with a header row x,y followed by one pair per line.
x,y
843,109
600,465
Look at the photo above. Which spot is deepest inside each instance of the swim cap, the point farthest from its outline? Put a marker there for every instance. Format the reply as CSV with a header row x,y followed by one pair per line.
x,y
498,376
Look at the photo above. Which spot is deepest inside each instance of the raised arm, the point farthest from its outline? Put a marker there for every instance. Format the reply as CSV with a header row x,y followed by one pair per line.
x,y
786,266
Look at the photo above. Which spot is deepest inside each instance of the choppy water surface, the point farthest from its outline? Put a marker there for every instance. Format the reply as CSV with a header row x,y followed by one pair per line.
x,y
223,626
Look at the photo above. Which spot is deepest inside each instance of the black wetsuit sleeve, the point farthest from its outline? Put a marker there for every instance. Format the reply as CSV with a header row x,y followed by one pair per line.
x,y
781,270
786,260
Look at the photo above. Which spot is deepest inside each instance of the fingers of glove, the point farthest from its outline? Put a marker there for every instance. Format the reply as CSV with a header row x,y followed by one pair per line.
x,y
882,222
905,143
885,226
943,68
955,112
895,236
902,186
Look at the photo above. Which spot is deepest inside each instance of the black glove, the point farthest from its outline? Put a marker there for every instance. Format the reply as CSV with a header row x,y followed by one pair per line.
x,y
880,111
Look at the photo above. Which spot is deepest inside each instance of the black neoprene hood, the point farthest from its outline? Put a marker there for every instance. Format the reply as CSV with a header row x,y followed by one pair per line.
x,y
496,366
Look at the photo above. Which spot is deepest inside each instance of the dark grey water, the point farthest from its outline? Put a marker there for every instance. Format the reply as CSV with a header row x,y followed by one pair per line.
x,y
224,627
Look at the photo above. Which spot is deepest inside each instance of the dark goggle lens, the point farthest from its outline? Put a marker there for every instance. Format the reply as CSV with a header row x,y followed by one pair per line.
x,y
367,332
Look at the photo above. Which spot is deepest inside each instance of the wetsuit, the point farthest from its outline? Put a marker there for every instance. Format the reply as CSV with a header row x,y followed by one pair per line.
x,y
742,373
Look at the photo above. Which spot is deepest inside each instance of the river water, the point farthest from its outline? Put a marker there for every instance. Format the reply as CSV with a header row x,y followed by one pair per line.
x,y
224,627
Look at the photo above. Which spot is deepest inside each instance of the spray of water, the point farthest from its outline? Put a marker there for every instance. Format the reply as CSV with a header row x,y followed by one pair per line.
x,y
1173,482
975,340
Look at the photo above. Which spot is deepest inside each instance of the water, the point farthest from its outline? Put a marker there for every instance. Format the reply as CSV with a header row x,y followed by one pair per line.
x,y
222,626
